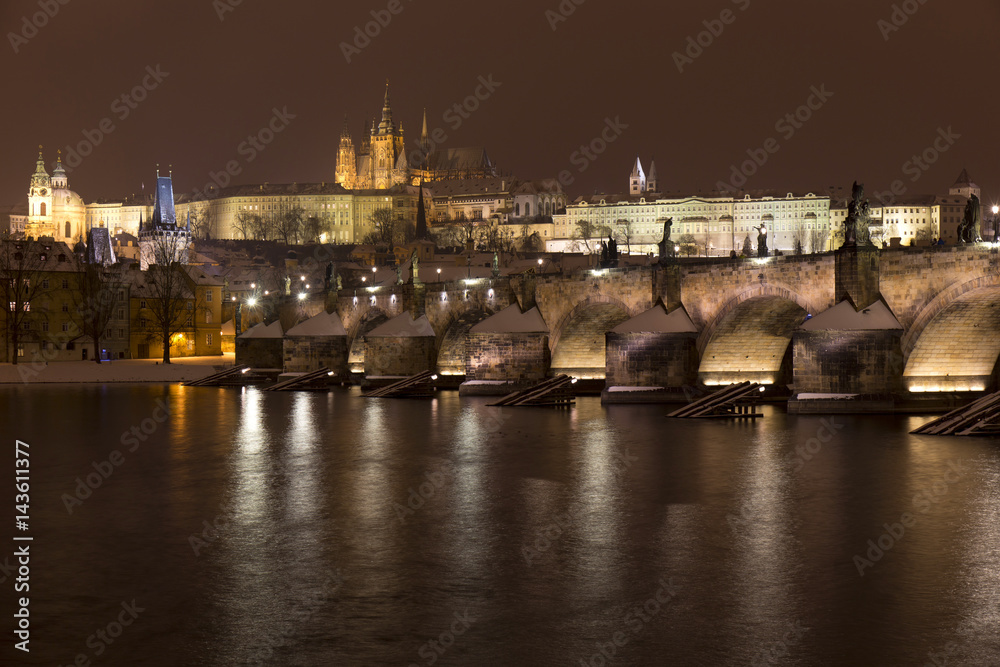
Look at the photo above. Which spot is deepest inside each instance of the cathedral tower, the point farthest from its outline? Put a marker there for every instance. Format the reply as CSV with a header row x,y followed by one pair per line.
x,y
347,160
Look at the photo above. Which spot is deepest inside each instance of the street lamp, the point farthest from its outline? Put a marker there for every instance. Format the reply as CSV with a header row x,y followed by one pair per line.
x,y
996,232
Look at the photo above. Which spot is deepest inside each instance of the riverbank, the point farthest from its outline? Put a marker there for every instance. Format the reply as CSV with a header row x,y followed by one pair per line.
x,y
125,370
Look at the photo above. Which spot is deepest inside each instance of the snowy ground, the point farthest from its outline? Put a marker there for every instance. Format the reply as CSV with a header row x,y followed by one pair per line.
x,y
125,370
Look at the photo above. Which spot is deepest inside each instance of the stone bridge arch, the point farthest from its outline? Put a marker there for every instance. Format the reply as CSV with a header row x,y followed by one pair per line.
x,y
578,340
750,336
952,344
366,320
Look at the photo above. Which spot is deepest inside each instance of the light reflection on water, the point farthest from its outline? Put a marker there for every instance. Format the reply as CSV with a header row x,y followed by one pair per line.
x,y
605,503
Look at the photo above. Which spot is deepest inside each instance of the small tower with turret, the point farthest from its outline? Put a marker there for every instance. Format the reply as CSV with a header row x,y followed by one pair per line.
x,y
637,181
161,239
39,200
347,160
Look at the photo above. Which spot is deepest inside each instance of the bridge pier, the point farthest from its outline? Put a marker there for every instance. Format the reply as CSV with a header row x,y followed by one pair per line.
x,y
857,276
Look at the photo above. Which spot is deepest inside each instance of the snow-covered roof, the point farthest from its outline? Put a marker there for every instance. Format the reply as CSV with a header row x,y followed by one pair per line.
x,y
403,326
229,328
272,330
324,324
512,320
657,320
843,317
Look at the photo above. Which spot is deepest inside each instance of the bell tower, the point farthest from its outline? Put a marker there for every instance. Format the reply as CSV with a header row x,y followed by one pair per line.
x,y
347,160
40,201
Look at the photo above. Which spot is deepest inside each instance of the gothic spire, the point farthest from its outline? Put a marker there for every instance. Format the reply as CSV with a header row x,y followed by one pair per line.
x,y
386,124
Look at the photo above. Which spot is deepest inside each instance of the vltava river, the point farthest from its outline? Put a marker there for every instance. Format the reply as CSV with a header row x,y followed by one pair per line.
x,y
327,529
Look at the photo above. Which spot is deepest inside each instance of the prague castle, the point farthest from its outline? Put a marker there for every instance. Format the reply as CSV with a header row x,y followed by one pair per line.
x,y
381,160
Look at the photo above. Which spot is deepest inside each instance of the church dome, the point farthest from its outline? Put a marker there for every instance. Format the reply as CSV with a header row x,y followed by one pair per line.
x,y
67,199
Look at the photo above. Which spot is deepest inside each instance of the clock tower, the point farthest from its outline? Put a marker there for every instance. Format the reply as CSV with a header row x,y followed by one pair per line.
x,y
40,201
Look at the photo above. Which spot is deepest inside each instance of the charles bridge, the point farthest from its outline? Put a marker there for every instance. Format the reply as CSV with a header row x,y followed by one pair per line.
x,y
915,320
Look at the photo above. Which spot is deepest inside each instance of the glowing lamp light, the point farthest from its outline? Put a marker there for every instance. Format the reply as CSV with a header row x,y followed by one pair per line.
x,y
677,248
540,262
302,278
374,269
574,380
308,286
762,390
302,296
490,294
234,298
996,209
253,285
330,374
245,371
434,377
364,279
266,292
251,302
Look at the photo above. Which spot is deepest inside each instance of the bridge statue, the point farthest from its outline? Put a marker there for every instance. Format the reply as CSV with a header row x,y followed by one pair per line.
x,y
762,250
288,286
666,245
415,265
328,279
496,265
969,228
612,252
399,274
858,218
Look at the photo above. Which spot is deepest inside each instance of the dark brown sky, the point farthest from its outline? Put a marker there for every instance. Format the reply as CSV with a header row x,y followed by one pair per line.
x,y
607,60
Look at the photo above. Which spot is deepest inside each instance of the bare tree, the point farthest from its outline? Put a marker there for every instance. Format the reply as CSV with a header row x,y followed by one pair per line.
x,y
289,225
496,238
99,291
22,266
244,224
388,228
167,291
688,244
585,231
624,232
203,222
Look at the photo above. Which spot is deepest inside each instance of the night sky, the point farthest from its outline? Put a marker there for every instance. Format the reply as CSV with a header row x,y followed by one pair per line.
x,y
891,97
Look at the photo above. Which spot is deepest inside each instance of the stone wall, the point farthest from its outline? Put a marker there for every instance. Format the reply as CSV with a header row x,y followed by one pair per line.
x,y
400,357
303,354
260,352
709,286
518,358
652,359
847,362
912,277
